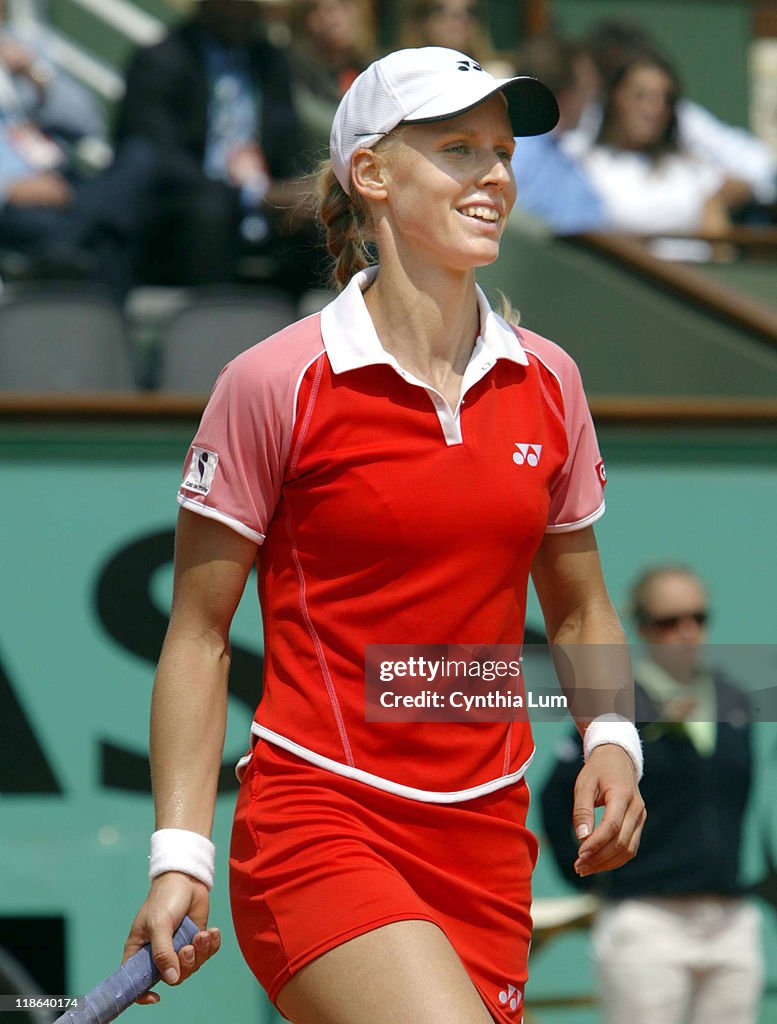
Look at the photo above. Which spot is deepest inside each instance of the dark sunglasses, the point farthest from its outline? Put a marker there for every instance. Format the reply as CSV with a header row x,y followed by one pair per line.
x,y
666,622
437,9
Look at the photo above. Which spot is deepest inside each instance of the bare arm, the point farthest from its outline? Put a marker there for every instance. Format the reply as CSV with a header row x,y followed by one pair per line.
x,y
580,617
715,216
45,188
188,721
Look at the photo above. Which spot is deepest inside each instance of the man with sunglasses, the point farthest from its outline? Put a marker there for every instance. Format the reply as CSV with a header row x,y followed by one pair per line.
x,y
675,941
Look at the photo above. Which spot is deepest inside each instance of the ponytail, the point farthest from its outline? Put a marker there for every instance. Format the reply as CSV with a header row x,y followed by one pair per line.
x,y
507,310
346,221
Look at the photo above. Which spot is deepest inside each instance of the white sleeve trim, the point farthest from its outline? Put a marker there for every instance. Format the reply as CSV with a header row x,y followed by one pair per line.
x,y
377,781
578,524
221,517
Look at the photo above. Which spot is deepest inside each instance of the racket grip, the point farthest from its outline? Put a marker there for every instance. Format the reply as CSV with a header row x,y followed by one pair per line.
x,y
134,978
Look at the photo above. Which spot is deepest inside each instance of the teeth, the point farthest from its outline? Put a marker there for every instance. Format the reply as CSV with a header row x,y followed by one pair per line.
x,y
483,212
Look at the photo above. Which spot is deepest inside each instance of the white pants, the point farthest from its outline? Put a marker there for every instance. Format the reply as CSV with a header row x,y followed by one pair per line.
x,y
679,960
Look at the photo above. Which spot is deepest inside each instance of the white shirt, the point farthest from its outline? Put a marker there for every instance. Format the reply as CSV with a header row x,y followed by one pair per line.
x,y
647,197
736,151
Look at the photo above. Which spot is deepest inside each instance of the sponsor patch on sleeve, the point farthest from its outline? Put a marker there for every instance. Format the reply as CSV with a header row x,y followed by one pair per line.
x,y
202,470
601,473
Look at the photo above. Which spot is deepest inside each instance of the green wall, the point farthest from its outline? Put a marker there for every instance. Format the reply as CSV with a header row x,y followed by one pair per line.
x,y
629,336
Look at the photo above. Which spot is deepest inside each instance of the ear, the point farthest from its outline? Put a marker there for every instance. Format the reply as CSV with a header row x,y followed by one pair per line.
x,y
367,174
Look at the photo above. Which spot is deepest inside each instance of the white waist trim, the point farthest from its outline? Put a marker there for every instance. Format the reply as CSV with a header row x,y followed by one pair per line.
x,y
377,781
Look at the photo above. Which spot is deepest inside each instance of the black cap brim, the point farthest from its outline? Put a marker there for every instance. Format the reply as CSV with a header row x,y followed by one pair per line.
x,y
531,106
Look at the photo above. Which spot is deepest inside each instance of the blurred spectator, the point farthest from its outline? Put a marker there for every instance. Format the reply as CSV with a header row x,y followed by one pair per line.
x,y
676,941
332,42
458,24
739,154
552,184
215,98
58,217
44,91
648,183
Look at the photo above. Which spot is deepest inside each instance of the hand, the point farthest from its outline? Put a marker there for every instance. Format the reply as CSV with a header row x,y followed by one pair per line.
x,y
715,216
172,895
16,57
44,189
734,192
607,779
247,167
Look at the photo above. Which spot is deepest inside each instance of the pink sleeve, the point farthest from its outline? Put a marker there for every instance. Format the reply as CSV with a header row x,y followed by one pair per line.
x,y
577,492
234,468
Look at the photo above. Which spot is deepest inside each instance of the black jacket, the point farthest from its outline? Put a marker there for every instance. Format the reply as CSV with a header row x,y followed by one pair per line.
x,y
166,101
692,840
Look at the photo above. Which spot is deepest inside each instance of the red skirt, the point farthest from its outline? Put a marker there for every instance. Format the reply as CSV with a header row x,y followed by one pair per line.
x,y
317,859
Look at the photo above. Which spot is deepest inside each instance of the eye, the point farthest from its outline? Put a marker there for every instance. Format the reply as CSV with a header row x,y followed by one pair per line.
x,y
457,147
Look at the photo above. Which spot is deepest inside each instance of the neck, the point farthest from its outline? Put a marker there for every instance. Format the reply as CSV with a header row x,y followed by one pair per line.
x,y
680,671
426,317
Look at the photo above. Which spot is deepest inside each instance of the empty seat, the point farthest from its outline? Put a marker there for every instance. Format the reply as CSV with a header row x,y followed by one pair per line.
x,y
61,338
200,339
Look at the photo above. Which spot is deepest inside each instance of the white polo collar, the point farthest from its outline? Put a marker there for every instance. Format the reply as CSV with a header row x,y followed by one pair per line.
x,y
351,341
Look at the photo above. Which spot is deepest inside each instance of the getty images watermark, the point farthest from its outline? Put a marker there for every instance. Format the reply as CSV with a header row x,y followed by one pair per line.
x,y
729,683
486,683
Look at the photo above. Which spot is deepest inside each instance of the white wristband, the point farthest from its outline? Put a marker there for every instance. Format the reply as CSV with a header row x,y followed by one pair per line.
x,y
614,729
177,849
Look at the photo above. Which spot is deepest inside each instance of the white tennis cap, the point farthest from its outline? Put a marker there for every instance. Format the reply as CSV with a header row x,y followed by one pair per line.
x,y
430,83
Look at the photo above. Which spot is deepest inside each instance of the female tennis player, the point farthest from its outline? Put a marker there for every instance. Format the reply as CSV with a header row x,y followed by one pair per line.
x,y
395,467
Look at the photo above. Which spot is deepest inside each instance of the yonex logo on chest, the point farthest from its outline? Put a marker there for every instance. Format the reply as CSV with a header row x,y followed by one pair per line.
x,y
527,454
511,998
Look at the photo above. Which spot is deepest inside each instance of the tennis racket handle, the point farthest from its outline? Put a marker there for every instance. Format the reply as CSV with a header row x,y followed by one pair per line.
x,y
120,990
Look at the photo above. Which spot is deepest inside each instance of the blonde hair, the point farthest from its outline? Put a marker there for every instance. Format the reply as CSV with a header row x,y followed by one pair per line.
x,y
346,218
347,224
506,310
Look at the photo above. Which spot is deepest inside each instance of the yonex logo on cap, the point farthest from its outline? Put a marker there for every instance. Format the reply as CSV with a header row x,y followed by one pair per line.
x,y
468,65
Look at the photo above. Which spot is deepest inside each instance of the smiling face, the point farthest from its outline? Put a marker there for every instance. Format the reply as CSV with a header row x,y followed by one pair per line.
x,y
447,188
642,107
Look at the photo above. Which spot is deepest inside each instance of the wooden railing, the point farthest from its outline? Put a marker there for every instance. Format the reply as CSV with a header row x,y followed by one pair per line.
x,y
147,407
713,296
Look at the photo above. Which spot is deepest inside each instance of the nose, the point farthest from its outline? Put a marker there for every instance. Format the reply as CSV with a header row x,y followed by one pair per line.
x,y
655,104
497,171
